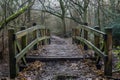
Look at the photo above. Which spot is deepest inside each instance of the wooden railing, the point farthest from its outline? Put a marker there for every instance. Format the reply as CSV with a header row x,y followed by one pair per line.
x,y
101,43
19,46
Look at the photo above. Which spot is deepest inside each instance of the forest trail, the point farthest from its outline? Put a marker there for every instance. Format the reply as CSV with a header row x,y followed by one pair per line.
x,y
82,69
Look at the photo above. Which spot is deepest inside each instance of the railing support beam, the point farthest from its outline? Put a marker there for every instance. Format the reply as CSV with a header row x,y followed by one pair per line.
x,y
86,37
108,51
12,60
35,36
97,44
23,39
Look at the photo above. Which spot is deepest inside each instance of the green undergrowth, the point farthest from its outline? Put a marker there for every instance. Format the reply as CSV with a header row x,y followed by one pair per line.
x,y
117,53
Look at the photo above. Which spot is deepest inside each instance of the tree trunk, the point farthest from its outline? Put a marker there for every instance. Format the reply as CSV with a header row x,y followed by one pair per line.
x,y
98,12
85,11
85,16
29,13
14,16
42,18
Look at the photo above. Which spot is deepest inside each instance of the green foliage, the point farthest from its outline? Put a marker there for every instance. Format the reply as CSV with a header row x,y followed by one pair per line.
x,y
116,34
117,52
115,24
116,31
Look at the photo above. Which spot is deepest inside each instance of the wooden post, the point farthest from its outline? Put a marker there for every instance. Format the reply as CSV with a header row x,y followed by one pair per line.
x,y
42,34
23,39
12,60
97,38
108,51
97,44
77,34
35,36
24,44
73,35
45,35
48,34
86,37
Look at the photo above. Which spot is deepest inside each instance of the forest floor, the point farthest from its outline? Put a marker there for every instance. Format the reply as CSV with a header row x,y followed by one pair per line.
x,y
83,69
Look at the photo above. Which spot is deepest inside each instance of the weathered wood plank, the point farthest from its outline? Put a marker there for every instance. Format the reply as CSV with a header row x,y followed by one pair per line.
x,y
52,58
86,37
26,31
89,29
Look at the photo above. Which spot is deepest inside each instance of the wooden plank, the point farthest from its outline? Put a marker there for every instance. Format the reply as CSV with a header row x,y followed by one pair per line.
x,y
86,37
88,43
28,47
52,58
29,30
18,46
97,44
90,29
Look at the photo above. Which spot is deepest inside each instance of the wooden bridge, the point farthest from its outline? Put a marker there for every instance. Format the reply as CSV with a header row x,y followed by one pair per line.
x,y
19,45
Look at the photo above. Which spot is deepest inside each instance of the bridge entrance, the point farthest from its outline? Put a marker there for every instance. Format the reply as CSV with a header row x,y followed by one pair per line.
x,y
68,56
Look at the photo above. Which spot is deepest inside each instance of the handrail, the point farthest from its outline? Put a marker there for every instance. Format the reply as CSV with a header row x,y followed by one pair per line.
x,y
107,39
18,51
29,30
90,29
88,43
28,47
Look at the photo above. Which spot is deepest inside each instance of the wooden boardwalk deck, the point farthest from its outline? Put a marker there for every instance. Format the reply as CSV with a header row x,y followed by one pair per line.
x,y
63,61
59,49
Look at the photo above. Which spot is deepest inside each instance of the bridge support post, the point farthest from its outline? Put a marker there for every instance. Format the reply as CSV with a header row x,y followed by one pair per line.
x,y
35,36
24,44
108,51
86,37
48,34
45,34
97,44
73,35
77,34
12,53
23,39
41,35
